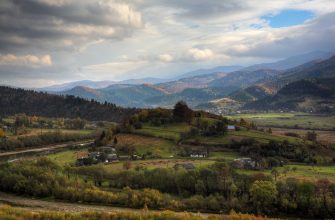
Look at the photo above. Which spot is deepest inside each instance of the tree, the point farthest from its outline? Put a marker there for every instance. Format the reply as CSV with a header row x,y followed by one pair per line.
x,y
182,113
275,173
2,133
263,195
311,136
127,165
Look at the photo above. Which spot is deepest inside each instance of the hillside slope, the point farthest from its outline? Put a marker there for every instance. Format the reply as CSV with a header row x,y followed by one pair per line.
x,y
316,95
120,94
14,101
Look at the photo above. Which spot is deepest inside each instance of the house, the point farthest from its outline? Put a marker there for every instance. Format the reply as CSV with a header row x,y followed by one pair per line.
x,y
111,158
186,166
244,163
231,128
124,157
107,149
198,154
94,155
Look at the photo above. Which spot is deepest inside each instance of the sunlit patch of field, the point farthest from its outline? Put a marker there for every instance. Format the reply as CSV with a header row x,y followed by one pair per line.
x,y
299,171
172,131
143,144
291,120
323,136
157,163
262,137
66,157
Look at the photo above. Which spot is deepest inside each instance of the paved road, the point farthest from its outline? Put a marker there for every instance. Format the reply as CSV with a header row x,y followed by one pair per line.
x,y
42,149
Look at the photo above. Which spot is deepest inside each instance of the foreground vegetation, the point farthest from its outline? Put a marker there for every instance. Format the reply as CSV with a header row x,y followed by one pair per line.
x,y
213,189
10,213
291,173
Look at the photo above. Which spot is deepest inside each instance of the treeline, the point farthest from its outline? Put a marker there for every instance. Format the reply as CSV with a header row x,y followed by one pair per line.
x,y
30,141
275,153
7,212
214,189
15,101
220,188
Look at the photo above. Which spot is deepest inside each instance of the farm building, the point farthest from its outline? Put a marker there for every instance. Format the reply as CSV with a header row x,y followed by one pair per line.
x,y
198,154
231,128
244,163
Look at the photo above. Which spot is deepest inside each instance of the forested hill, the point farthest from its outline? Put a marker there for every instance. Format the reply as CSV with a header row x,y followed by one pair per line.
x,y
13,101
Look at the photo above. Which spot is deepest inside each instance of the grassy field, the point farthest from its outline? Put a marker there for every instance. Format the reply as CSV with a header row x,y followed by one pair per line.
x,y
37,131
172,131
323,136
161,163
259,136
300,171
65,157
143,144
291,120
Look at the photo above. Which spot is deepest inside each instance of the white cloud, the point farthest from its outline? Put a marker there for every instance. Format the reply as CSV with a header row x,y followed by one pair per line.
x,y
118,39
112,70
197,54
26,60
165,57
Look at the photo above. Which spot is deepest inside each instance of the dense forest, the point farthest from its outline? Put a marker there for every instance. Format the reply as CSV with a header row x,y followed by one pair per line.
x,y
14,101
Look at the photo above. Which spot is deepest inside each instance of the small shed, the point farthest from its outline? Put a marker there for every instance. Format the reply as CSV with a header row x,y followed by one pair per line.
x,y
231,128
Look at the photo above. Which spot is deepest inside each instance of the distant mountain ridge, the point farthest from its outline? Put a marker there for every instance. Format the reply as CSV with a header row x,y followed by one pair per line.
x,y
291,62
241,86
308,88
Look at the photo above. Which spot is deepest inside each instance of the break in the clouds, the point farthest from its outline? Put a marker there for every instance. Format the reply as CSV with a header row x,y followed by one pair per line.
x,y
48,41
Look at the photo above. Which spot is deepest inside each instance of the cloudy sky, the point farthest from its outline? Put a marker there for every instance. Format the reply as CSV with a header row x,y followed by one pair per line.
x,y
43,42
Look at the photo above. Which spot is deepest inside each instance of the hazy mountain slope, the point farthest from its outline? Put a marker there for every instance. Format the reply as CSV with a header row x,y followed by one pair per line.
x,y
243,78
100,84
251,93
218,69
316,95
14,101
291,62
70,85
192,96
124,95
199,82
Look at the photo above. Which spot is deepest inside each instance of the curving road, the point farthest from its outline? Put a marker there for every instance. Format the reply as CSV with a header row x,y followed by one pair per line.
x,y
42,149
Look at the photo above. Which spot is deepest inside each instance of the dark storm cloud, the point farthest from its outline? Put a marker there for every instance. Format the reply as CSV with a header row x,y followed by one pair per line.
x,y
204,10
36,23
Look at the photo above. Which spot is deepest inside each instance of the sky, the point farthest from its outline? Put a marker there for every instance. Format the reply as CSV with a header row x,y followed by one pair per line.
x,y
46,42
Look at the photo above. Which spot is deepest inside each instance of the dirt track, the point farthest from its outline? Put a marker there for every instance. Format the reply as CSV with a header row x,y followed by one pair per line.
x,y
37,204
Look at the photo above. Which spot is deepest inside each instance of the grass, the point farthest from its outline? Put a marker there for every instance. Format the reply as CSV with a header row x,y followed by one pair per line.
x,y
259,136
65,157
172,131
291,120
301,172
227,156
37,131
143,144
157,163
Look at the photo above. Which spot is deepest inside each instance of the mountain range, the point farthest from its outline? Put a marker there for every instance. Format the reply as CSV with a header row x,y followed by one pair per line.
x,y
243,85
